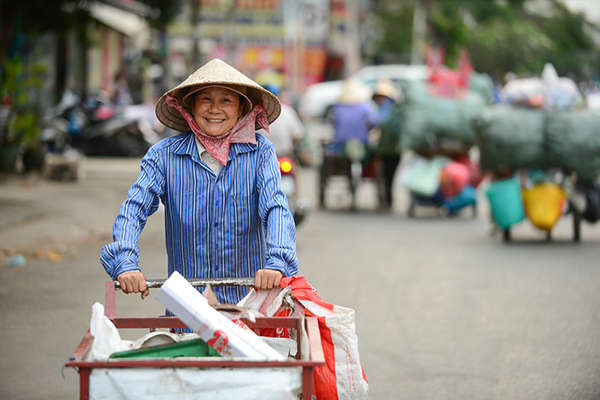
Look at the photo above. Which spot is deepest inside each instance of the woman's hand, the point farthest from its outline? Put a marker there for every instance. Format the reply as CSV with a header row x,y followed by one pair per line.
x,y
133,282
267,279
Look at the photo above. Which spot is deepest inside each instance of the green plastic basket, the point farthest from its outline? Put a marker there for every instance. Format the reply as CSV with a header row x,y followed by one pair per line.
x,y
506,202
186,348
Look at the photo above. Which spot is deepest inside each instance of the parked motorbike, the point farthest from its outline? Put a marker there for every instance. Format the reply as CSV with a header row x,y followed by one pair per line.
x,y
299,207
55,124
96,128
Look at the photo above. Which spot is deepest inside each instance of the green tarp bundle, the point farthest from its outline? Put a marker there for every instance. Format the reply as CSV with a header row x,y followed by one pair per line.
x,y
513,137
509,137
426,118
572,142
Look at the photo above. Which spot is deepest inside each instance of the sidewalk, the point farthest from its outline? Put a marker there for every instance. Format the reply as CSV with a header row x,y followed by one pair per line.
x,y
44,218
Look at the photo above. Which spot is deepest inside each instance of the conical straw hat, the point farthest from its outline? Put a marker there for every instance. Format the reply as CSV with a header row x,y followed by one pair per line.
x,y
385,87
354,92
214,72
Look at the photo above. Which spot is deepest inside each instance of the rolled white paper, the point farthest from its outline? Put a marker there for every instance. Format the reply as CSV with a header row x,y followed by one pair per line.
x,y
227,338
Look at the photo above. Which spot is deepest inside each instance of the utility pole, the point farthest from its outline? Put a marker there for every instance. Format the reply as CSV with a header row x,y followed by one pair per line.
x,y
194,20
293,17
418,33
353,58
228,35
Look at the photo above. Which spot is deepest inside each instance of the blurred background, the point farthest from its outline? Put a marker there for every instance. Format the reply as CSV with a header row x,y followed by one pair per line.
x,y
125,53
496,114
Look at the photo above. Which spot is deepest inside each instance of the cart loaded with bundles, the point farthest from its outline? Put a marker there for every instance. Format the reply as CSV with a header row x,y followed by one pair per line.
x,y
284,343
543,150
435,124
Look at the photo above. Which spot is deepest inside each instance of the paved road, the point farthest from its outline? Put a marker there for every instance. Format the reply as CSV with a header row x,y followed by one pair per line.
x,y
443,308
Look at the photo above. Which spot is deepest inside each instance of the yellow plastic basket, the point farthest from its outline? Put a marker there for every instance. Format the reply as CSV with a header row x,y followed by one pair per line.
x,y
544,204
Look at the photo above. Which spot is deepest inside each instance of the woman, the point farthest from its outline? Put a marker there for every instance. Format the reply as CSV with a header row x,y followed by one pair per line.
x,y
354,115
387,97
219,182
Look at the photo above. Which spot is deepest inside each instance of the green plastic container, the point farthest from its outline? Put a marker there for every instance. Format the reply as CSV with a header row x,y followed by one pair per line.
x,y
506,202
186,348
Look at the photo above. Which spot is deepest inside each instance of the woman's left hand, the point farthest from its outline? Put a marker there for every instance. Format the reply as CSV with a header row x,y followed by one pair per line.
x,y
267,279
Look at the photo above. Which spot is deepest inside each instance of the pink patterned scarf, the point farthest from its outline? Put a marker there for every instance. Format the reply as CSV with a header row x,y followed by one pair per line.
x,y
242,132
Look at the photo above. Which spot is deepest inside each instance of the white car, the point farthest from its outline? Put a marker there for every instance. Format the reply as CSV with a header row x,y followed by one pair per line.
x,y
320,97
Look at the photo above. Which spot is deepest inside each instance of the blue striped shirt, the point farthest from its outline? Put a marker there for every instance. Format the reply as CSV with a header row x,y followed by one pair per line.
x,y
226,225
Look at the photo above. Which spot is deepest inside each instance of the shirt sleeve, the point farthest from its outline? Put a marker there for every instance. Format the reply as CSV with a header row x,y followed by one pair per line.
x,y
280,230
143,199
372,116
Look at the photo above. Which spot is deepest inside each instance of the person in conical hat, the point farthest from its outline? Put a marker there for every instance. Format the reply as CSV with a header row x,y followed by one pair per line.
x,y
354,92
354,114
387,97
386,88
219,181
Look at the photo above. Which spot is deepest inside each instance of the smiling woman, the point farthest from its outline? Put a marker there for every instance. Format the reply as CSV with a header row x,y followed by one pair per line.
x,y
226,214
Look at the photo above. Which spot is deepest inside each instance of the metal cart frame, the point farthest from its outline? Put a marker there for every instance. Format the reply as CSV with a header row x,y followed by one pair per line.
x,y
354,171
306,328
506,236
576,223
422,201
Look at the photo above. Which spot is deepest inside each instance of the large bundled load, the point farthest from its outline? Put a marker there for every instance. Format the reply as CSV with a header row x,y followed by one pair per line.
x,y
572,142
539,126
510,137
435,116
429,118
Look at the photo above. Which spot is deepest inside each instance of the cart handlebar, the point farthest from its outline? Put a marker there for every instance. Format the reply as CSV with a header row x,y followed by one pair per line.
x,y
157,283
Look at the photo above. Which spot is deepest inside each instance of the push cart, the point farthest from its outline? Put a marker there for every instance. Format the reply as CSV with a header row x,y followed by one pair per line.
x,y
576,223
542,204
349,161
309,353
444,206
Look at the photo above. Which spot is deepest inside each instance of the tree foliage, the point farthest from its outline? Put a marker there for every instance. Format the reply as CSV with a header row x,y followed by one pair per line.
x,y
501,36
167,11
394,47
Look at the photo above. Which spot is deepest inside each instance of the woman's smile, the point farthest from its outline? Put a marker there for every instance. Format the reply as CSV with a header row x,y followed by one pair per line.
x,y
216,110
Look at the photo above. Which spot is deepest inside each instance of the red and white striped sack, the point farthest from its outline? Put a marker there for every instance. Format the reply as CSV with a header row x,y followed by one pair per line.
x,y
342,377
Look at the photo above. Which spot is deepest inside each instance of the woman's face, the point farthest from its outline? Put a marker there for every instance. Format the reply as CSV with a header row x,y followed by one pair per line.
x,y
216,110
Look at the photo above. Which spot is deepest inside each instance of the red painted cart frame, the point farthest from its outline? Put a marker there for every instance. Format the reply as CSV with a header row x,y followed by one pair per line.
x,y
308,359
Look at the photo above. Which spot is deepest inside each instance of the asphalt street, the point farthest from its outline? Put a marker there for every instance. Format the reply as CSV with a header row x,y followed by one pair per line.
x,y
444,308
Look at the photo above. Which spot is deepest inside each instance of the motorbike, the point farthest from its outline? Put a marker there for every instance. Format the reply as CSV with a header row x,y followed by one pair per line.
x,y
299,207
95,128
55,124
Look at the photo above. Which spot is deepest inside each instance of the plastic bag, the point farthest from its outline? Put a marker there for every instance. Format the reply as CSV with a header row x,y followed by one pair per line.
x,y
454,177
468,197
422,177
342,377
107,339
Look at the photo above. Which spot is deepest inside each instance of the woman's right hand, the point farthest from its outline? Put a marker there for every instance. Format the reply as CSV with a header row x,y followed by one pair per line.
x,y
133,282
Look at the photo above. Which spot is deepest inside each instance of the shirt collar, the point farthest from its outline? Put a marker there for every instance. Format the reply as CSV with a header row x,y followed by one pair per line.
x,y
188,144
201,148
